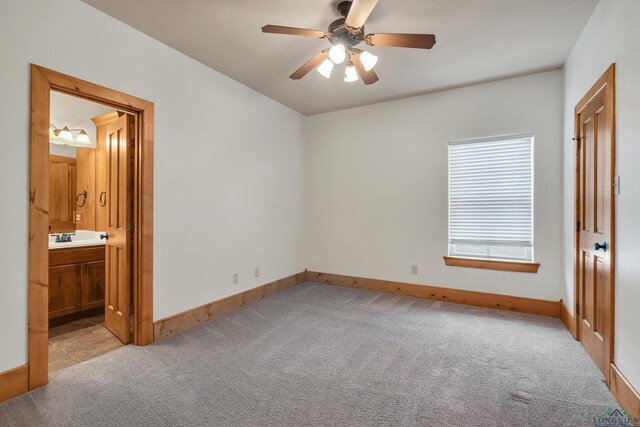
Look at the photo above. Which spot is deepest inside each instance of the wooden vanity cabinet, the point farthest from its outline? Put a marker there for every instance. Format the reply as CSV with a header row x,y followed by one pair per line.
x,y
92,285
64,290
76,280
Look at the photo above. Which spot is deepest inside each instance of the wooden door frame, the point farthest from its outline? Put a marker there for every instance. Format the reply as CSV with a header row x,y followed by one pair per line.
x,y
605,83
43,81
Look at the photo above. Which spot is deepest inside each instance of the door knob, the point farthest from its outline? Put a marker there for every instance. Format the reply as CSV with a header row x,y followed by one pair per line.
x,y
106,236
599,246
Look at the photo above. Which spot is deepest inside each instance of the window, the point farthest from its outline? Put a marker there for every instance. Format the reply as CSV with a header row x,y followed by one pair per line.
x,y
491,198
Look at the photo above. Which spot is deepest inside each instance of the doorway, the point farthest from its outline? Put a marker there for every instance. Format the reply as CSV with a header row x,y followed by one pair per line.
x,y
127,250
595,221
85,142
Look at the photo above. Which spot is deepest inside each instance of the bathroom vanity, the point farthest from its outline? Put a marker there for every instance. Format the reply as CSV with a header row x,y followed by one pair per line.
x,y
76,274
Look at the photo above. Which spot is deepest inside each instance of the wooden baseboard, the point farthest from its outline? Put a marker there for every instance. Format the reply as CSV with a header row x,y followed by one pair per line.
x,y
14,382
171,325
478,299
625,394
568,320
622,390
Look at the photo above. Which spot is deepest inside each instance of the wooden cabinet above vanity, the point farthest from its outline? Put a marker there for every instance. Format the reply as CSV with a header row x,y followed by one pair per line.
x,y
62,193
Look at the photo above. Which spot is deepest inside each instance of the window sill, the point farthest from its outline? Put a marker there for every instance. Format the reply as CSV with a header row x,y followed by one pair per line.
x,y
490,264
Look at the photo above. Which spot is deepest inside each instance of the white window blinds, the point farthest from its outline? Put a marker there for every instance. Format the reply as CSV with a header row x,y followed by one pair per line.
x,y
491,198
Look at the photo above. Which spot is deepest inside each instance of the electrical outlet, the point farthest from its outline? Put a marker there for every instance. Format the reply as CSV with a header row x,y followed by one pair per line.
x,y
256,272
414,269
235,278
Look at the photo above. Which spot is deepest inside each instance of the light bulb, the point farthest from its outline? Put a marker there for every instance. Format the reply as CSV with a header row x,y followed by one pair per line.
x,y
350,74
83,138
65,134
337,54
325,68
368,60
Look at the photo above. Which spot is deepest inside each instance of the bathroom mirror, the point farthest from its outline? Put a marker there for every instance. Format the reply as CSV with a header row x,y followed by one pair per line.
x,y
77,163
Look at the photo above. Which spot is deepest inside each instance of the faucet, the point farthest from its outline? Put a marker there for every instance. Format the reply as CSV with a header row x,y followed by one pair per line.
x,y
63,238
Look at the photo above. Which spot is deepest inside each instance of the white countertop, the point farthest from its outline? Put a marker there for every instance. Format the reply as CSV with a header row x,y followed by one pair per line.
x,y
78,239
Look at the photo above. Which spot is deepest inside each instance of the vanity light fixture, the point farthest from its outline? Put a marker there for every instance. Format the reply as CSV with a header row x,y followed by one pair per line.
x,y
64,136
83,138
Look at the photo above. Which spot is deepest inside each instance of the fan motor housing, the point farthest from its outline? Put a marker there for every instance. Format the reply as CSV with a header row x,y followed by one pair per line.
x,y
340,33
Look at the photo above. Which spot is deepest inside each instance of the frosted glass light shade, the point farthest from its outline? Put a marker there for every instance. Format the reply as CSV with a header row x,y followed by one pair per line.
x,y
83,138
368,60
350,74
65,134
325,68
337,54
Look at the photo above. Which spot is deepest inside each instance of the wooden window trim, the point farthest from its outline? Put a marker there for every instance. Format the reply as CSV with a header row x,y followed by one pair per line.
x,y
492,264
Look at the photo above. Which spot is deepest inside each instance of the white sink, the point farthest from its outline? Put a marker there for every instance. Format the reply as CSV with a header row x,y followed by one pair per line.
x,y
79,238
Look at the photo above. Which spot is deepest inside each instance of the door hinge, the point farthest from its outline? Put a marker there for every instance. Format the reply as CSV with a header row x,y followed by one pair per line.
x,y
578,141
578,309
578,226
616,185
130,226
131,143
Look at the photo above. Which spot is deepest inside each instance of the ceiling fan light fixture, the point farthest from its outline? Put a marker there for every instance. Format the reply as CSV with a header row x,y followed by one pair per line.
x,y
344,34
337,54
368,60
350,74
325,68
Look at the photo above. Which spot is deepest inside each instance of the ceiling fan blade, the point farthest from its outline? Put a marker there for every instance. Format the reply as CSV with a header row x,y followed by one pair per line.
x,y
310,65
292,31
368,77
418,41
359,12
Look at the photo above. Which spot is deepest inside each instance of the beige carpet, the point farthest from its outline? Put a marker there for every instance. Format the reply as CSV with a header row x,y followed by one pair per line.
x,y
330,356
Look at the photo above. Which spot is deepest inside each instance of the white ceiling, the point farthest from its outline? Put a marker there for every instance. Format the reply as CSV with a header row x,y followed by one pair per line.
x,y
477,41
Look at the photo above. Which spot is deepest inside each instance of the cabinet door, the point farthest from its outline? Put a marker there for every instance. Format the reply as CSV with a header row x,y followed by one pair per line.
x,y
64,290
62,193
93,285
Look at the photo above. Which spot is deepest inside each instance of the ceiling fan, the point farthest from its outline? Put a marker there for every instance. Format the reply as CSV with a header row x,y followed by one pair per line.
x,y
346,33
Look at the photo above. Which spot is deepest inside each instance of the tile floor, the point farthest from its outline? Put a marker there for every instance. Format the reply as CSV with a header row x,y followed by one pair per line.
x,y
77,341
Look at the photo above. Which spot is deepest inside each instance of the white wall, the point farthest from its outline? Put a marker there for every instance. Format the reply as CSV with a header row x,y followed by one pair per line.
x,y
228,161
378,184
63,150
612,35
